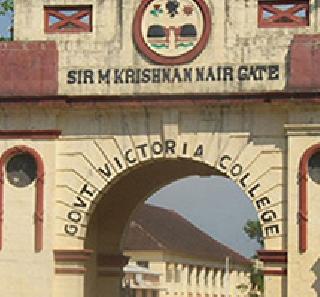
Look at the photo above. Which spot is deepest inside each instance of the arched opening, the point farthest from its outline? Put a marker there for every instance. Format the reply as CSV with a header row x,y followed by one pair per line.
x,y
309,165
23,166
111,216
190,234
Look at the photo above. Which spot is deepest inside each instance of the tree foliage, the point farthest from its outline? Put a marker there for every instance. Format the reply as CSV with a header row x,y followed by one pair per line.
x,y
256,278
254,231
6,6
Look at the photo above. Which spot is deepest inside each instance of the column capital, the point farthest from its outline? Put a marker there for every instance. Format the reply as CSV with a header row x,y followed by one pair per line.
x,y
274,259
273,256
71,261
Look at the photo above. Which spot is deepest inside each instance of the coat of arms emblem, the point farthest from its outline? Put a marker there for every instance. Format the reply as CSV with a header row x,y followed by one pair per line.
x,y
172,32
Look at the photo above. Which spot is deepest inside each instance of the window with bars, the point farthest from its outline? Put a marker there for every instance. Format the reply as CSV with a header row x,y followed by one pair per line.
x,y
284,13
68,19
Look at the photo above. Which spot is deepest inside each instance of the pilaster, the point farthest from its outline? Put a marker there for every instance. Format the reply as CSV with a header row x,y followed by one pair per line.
x,y
70,272
110,273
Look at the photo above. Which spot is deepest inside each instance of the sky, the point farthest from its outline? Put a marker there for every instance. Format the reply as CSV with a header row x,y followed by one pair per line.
x,y
216,205
4,25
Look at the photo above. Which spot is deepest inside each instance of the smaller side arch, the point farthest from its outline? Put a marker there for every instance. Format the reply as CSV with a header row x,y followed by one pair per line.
x,y
303,196
39,208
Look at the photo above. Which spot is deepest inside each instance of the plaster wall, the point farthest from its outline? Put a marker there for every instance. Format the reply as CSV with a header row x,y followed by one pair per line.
x,y
22,269
97,158
93,137
235,40
300,137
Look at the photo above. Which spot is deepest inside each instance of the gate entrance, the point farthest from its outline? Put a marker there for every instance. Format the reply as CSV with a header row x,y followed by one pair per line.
x,y
104,179
107,229
103,102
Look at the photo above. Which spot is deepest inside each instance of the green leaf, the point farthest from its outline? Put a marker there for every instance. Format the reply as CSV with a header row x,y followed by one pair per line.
x,y
254,231
6,6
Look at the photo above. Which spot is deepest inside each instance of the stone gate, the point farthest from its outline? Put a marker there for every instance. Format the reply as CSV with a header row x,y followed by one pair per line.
x,y
104,102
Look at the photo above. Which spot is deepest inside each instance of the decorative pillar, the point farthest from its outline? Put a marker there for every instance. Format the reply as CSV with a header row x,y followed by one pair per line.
x,y
70,272
179,286
218,288
233,282
110,274
209,288
194,280
184,279
170,277
201,286
275,270
189,279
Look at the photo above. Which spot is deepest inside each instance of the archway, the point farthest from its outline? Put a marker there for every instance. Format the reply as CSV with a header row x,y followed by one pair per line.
x,y
97,180
109,221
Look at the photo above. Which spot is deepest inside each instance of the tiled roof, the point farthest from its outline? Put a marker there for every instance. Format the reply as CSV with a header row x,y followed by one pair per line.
x,y
156,228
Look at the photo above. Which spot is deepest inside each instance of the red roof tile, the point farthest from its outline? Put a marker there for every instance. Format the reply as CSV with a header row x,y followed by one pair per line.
x,y
156,228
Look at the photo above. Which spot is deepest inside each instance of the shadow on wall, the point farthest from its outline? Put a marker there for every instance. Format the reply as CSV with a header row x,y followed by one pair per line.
x,y
316,270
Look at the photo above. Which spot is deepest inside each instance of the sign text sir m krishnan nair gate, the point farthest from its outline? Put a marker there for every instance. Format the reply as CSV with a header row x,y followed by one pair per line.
x,y
104,102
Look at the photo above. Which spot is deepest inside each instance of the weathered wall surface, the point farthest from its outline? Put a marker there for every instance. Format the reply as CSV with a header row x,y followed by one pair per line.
x,y
39,74
22,269
235,40
235,140
307,263
104,152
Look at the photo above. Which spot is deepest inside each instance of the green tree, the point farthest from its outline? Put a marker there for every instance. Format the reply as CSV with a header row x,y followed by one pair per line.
x,y
256,279
6,6
254,231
